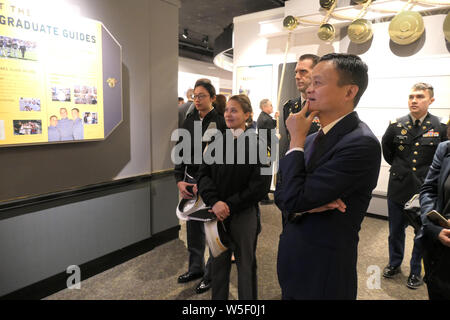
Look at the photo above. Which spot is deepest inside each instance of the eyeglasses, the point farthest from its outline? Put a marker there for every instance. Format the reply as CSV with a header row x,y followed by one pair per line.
x,y
200,96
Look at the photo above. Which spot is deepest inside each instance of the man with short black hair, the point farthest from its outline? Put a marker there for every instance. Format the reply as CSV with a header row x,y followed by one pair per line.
x,y
409,145
325,184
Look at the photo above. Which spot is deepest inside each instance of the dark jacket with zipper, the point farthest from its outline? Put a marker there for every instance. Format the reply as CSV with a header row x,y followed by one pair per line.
x,y
211,120
240,185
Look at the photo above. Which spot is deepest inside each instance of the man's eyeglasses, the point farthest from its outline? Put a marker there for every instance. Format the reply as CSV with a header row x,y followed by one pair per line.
x,y
200,96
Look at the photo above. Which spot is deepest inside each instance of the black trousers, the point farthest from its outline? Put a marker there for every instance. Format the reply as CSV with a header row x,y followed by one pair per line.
x,y
196,246
437,269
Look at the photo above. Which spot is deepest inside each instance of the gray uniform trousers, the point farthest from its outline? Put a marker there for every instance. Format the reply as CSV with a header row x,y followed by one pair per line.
x,y
243,230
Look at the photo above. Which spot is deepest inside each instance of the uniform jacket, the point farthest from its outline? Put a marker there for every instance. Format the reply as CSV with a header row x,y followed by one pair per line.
x,y
410,155
317,255
188,124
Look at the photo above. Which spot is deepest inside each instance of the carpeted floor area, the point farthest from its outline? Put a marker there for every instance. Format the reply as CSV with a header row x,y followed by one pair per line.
x,y
153,276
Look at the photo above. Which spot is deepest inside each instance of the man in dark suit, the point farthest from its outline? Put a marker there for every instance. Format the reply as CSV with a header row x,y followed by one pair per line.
x,y
409,145
325,185
265,125
182,109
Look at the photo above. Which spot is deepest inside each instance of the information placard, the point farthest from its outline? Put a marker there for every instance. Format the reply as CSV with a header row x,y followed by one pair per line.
x,y
51,78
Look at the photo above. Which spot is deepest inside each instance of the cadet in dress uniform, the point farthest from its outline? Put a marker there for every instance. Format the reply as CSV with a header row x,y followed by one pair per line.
x,y
409,145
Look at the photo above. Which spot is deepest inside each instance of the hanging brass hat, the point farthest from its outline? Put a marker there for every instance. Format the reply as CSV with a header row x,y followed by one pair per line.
x,y
327,4
360,31
406,27
447,27
290,23
326,32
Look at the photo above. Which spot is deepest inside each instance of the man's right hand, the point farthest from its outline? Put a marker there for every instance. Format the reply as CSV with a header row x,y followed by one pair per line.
x,y
336,204
185,194
444,237
298,125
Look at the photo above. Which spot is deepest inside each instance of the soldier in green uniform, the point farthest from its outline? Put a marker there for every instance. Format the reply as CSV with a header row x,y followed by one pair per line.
x,y
409,144
303,71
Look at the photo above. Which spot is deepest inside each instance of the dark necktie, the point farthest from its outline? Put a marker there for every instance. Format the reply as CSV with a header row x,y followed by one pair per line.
x,y
416,128
315,144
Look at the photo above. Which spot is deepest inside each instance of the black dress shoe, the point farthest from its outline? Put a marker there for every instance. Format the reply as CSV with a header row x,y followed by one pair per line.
x,y
189,276
203,286
390,271
414,281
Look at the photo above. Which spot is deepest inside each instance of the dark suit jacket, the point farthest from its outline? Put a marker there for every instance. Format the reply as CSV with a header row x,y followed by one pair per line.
x,y
182,113
265,121
410,154
317,252
432,191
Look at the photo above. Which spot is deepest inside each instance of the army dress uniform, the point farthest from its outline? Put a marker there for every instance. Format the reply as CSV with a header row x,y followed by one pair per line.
x,y
409,147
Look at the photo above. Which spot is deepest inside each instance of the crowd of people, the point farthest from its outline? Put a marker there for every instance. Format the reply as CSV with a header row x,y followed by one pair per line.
x,y
16,48
324,183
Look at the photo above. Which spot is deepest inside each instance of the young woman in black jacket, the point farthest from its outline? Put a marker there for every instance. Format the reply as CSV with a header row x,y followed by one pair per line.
x,y
233,186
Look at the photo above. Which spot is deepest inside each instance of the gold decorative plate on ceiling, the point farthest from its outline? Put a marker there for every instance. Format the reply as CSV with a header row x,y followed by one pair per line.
x,y
406,27
327,4
290,23
326,32
447,27
360,31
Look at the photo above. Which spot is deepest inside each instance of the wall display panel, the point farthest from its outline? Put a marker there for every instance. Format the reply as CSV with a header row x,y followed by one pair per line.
x,y
256,83
60,77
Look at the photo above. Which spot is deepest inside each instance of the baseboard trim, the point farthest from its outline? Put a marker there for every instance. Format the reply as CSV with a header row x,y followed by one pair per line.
x,y
89,269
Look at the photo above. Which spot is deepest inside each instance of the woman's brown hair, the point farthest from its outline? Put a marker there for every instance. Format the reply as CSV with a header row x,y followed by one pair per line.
x,y
246,106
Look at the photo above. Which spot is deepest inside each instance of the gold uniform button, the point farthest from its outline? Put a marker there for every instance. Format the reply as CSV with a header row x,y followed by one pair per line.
x,y
417,144
414,161
414,169
416,153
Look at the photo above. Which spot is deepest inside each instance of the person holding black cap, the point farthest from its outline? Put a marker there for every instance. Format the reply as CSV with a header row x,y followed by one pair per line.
x,y
233,188
186,177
